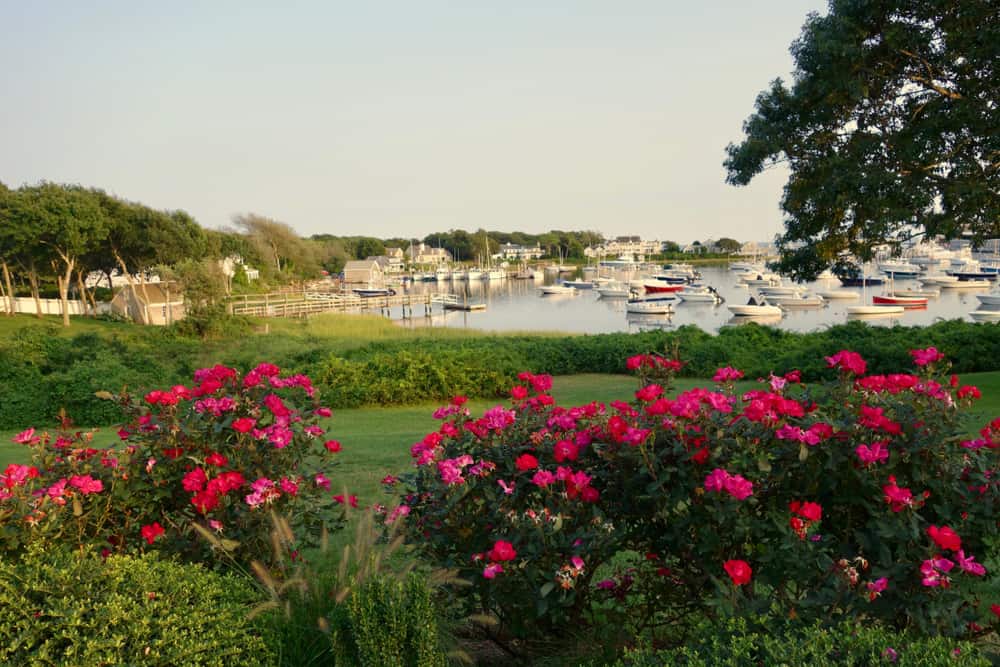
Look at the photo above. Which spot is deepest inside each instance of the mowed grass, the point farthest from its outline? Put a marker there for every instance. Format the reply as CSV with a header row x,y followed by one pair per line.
x,y
377,440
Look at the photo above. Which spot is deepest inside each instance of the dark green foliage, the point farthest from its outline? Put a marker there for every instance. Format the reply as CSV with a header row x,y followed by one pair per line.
x,y
401,372
61,608
736,645
42,373
888,129
388,622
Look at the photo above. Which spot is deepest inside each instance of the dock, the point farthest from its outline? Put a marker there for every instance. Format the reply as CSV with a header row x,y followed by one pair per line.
x,y
305,303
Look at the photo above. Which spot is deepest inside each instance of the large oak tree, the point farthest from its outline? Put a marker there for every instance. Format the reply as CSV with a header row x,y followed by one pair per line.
x,y
890,129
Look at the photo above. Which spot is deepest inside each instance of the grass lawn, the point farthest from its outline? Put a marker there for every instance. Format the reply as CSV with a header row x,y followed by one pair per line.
x,y
377,440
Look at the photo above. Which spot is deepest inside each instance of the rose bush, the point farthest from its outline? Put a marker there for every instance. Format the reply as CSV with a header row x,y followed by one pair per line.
x,y
855,498
217,455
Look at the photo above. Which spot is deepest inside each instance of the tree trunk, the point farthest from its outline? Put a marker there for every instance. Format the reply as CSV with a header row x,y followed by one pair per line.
x,y
64,281
82,286
33,281
131,285
11,302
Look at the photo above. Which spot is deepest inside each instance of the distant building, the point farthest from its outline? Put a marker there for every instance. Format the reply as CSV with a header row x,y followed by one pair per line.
x,y
232,263
520,253
421,253
157,303
364,271
397,259
625,246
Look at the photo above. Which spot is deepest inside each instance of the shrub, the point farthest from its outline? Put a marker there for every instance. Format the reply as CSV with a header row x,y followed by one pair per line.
x,y
389,623
211,458
857,498
57,607
352,608
845,645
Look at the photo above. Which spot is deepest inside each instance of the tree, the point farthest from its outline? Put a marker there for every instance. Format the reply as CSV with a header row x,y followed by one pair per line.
x,y
889,129
368,247
68,222
728,245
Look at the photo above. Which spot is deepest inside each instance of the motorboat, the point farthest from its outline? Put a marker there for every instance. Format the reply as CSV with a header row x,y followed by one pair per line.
x,y
374,291
937,280
556,289
658,287
900,269
924,293
844,294
579,284
989,299
985,315
754,308
655,306
875,310
799,300
857,281
968,284
701,295
781,290
613,290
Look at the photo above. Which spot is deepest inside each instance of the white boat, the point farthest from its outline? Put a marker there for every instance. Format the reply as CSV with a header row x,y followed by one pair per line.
x,y
442,274
700,295
844,294
920,293
556,289
754,309
801,300
493,274
989,299
938,280
579,284
968,284
875,310
985,315
900,269
459,274
781,290
614,290
474,274
649,306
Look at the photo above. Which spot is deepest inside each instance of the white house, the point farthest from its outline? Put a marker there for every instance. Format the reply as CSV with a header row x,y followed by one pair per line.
x,y
520,253
421,253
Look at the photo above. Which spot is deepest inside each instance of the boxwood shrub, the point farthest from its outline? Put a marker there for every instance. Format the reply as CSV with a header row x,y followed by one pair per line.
x,y
63,608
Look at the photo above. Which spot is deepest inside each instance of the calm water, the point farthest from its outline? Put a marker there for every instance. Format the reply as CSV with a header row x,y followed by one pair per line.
x,y
517,305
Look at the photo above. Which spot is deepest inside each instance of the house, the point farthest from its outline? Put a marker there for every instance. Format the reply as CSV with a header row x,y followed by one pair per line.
x,y
150,303
421,253
519,252
364,271
230,265
397,259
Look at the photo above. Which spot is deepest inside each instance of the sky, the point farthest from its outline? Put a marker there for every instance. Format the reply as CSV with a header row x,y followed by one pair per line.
x,y
397,119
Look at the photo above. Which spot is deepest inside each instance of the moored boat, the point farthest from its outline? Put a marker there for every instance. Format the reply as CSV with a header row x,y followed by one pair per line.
x,y
904,301
844,294
985,315
989,299
556,289
655,306
875,310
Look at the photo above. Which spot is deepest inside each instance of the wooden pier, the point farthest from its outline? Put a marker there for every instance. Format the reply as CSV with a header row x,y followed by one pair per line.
x,y
303,304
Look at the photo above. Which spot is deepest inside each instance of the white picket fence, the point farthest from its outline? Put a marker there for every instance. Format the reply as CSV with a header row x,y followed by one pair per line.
x,y
50,306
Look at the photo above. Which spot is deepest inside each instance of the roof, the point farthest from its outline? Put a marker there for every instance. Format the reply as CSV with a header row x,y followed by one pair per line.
x,y
155,293
360,265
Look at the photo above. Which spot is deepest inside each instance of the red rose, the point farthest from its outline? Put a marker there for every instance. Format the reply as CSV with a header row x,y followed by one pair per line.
x,y
502,551
945,537
739,571
526,462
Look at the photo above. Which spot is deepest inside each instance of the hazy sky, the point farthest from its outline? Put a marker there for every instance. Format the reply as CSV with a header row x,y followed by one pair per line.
x,y
401,118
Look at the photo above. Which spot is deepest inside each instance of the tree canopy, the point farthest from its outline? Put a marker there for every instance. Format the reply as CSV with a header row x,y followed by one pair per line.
x,y
889,129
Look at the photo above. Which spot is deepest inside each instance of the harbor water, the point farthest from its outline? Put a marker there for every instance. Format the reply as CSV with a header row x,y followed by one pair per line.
x,y
518,305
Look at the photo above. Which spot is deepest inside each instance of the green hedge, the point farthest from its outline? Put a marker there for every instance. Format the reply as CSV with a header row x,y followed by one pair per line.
x,y
41,372
397,372
60,608
734,645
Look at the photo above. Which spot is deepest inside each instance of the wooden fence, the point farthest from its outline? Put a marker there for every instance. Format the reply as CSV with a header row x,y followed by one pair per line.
x,y
303,304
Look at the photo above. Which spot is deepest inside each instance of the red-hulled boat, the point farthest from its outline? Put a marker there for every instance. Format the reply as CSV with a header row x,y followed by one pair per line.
x,y
904,301
656,286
